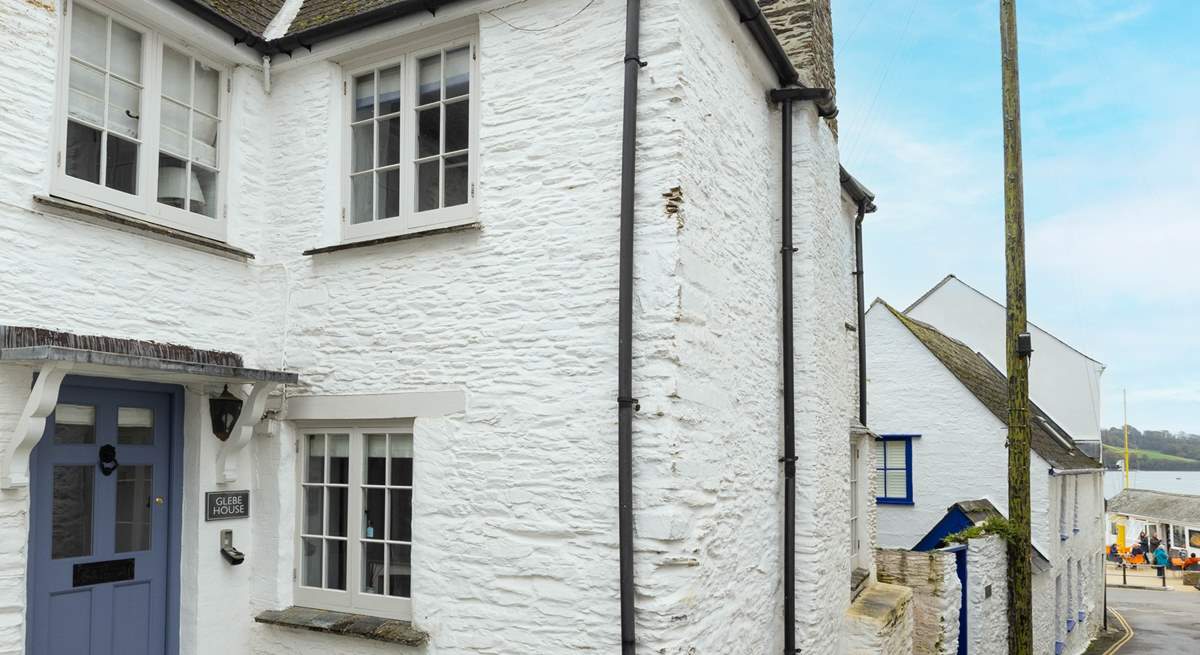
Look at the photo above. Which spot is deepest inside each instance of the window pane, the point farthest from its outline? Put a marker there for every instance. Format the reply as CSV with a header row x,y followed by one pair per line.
x,y
427,185
372,571
207,92
400,570
389,193
457,121
135,491
83,152
389,142
135,426
126,54
401,458
121,169
339,511
457,180
339,458
389,91
204,191
361,191
124,107
314,510
896,484
85,99
74,424
204,139
400,525
335,564
315,467
172,181
896,457
373,513
364,96
310,555
89,32
458,72
362,143
176,73
174,131
428,132
71,511
430,89
376,454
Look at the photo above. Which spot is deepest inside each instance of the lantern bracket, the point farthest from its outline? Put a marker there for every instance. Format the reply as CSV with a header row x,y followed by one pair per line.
x,y
31,424
243,430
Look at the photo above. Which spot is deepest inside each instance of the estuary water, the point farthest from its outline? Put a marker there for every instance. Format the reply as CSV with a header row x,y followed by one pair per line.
x,y
1180,482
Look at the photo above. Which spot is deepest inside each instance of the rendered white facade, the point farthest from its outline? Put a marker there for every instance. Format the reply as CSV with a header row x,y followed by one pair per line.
x,y
1062,380
961,455
515,521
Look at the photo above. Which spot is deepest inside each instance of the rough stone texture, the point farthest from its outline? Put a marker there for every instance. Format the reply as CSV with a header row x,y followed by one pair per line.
x,y
937,595
515,509
880,621
805,29
961,453
987,616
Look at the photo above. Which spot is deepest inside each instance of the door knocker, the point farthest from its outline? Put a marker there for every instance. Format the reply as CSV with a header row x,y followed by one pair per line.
x,y
108,459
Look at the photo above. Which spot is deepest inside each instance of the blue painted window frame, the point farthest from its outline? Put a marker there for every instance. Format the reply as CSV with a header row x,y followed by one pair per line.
x,y
882,470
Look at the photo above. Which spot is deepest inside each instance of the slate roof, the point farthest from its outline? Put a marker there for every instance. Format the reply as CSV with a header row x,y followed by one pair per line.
x,y
253,16
1177,509
990,386
318,13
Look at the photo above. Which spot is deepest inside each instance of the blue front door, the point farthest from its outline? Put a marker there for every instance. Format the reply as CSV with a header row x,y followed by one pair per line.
x,y
101,535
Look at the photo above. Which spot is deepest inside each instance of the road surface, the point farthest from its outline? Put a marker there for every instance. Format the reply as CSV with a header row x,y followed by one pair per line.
x,y
1163,622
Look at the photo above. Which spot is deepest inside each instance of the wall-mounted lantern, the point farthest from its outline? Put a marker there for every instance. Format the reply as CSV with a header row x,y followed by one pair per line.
x,y
225,408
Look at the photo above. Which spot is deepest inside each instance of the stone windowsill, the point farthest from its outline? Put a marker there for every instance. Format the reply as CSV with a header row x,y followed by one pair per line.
x,y
125,223
392,239
350,625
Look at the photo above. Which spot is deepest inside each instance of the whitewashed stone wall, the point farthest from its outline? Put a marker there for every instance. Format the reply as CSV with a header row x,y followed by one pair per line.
x,y
987,614
937,595
515,507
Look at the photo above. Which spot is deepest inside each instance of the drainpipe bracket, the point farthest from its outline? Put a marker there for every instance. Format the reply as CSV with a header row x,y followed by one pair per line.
x,y
629,402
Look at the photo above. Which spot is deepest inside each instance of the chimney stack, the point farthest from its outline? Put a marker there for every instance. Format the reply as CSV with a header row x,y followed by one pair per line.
x,y
805,28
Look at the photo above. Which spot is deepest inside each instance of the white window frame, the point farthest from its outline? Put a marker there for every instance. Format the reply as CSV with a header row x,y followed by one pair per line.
x,y
352,599
144,205
410,221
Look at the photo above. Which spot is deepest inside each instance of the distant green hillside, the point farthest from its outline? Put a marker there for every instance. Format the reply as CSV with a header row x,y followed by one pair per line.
x,y
1153,450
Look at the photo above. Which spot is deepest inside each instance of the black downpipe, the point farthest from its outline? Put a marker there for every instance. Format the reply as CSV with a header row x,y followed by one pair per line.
x,y
789,397
862,314
626,403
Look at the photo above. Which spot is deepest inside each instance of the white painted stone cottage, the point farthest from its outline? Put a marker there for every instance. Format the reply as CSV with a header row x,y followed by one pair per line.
x,y
1062,380
393,228
940,410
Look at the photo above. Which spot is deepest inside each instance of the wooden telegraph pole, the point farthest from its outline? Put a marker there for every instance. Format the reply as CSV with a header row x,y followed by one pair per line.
x,y
1020,568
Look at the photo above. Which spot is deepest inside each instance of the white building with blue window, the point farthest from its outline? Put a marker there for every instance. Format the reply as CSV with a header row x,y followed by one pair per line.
x,y
940,411
321,320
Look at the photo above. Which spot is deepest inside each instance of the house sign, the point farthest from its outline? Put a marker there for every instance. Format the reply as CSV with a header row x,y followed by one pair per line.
x,y
222,505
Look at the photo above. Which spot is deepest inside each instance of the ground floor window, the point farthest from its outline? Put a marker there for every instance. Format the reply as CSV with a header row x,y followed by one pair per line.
x,y
354,532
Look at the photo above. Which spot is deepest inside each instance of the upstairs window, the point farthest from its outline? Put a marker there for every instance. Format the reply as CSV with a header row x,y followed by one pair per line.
x,y
895,470
141,123
410,141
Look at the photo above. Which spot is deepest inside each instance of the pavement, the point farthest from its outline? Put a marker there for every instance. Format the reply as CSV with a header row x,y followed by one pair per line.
x,y
1164,622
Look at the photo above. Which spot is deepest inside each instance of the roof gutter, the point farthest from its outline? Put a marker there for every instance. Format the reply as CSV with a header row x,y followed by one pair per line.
x,y
1054,471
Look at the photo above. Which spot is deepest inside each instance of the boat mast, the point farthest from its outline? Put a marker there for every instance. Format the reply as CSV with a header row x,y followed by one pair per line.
x,y
1125,411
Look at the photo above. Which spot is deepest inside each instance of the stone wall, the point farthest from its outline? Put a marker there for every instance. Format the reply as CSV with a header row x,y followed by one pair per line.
x,y
805,29
987,596
937,595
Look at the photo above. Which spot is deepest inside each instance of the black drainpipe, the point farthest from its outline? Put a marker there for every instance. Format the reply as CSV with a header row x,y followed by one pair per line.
x,y
785,97
626,403
862,314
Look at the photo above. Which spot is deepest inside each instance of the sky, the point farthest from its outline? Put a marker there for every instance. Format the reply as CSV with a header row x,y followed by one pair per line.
x,y
1110,101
